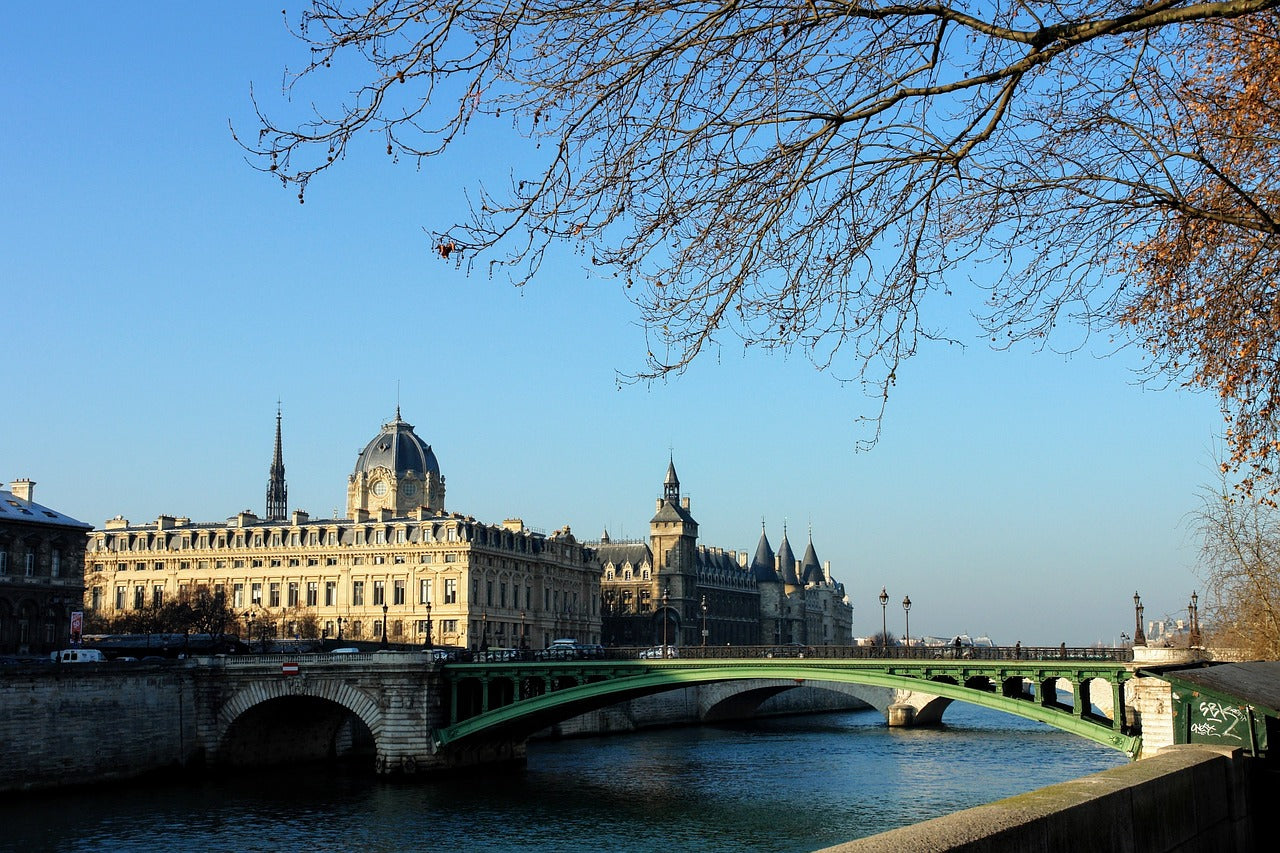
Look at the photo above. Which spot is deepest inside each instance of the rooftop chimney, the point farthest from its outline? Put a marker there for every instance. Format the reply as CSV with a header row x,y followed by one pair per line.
x,y
23,489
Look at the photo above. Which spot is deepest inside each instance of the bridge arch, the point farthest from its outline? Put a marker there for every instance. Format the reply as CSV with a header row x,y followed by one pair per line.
x,y
283,721
521,718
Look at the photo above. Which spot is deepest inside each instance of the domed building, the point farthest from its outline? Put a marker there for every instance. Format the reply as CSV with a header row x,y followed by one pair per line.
x,y
397,566
396,471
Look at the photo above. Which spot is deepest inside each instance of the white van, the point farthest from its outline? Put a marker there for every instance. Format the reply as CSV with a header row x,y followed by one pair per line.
x,y
77,656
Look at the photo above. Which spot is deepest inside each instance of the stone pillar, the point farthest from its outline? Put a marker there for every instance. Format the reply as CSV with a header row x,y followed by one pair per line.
x,y
1150,705
901,714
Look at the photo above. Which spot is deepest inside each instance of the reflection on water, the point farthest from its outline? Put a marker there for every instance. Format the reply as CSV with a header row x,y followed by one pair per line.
x,y
787,784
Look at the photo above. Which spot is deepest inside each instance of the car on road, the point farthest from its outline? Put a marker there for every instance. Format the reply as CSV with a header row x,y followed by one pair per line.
x,y
788,650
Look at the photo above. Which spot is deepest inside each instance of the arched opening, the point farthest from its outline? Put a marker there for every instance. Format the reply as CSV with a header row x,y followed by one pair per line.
x,y
298,729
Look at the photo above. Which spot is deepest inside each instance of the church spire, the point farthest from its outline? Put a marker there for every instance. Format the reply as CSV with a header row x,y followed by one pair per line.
x,y
277,492
671,485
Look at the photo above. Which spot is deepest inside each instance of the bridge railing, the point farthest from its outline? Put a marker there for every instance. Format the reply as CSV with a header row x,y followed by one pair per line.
x,y
1002,653
987,653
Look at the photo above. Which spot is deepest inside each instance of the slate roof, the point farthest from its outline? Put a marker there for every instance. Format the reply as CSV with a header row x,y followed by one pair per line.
x,y
15,509
635,553
810,568
399,449
762,568
787,562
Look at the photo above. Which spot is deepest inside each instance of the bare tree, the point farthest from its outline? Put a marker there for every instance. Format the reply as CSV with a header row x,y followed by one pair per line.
x,y
1240,563
803,174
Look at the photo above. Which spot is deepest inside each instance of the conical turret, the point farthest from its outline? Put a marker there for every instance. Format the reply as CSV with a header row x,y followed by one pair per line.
x,y
787,561
762,568
810,568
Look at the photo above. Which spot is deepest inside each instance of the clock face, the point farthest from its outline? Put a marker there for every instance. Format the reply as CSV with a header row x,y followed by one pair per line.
x,y
410,489
380,488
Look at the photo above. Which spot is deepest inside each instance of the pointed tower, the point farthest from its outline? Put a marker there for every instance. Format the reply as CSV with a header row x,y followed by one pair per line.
x,y
673,534
787,562
762,566
277,491
673,540
810,569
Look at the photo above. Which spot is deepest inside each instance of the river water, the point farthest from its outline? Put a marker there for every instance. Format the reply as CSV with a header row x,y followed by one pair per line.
x,y
782,784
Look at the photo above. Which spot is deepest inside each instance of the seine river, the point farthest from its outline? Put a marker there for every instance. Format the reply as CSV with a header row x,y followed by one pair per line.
x,y
783,784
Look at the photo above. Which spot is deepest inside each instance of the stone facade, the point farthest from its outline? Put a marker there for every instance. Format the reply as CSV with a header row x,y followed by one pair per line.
x,y
398,555
672,589
41,572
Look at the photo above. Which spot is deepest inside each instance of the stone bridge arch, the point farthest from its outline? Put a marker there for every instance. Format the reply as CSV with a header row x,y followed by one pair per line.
x,y
285,720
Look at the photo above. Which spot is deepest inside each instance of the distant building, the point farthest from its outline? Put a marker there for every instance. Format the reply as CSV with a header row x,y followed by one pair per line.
x,y
41,572
396,555
670,587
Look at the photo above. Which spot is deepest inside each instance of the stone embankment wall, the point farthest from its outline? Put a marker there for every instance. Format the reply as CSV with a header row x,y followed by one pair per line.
x,y
1188,799
84,723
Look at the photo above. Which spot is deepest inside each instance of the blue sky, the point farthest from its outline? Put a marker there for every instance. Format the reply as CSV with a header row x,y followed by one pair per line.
x,y
160,295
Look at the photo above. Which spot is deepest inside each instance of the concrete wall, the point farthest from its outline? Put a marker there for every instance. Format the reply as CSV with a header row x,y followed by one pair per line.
x,y
1186,799
93,722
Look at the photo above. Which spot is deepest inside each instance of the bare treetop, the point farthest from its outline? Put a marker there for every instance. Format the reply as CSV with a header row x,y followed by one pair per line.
x,y
802,175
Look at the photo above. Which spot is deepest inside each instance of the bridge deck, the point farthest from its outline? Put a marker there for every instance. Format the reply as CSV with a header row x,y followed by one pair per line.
x,y
518,695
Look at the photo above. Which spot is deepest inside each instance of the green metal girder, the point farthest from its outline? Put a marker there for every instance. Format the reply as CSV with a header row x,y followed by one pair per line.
x,y
644,676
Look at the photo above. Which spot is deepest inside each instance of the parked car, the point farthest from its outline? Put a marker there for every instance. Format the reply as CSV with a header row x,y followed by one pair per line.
x,y
77,656
788,650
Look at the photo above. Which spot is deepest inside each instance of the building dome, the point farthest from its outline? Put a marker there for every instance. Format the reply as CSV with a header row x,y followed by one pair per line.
x,y
398,449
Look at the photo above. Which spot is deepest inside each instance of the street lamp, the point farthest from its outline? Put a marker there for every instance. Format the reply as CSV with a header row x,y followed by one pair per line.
x,y
1194,639
339,629
384,623
666,593
428,641
523,642
704,621
906,609
884,625
484,631
1139,638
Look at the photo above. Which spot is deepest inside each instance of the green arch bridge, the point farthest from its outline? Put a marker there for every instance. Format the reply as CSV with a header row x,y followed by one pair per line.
x,y
513,698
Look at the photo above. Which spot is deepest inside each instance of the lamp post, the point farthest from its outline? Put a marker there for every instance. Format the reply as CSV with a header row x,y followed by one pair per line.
x,y
384,623
484,630
1193,640
666,593
884,625
704,621
906,609
523,643
428,641
339,629
1139,638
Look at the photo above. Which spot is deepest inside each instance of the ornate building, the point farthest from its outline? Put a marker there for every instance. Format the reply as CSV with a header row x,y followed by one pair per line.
x,y
398,556
671,589
41,579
